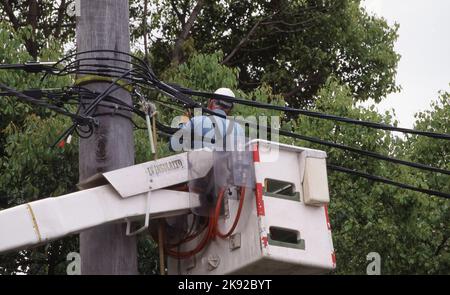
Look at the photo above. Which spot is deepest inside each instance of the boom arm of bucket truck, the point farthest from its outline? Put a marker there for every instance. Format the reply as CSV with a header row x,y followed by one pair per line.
x,y
289,198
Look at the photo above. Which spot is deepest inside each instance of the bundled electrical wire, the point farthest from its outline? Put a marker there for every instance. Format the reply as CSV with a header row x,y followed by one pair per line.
x,y
211,229
131,72
136,76
314,114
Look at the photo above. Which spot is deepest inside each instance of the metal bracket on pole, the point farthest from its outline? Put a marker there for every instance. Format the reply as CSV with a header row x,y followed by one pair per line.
x,y
150,110
150,134
146,222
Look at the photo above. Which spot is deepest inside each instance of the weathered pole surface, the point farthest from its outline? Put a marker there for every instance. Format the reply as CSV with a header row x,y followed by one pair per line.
x,y
104,24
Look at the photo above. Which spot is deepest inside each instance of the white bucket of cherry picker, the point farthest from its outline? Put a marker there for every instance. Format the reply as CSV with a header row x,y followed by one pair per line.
x,y
283,226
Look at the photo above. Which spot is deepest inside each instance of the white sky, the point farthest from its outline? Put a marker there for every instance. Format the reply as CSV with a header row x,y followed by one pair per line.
x,y
424,44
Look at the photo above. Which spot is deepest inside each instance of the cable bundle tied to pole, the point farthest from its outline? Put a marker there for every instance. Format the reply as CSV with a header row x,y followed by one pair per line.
x,y
142,77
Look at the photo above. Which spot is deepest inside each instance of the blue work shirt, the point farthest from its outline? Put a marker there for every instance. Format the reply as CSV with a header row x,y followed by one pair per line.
x,y
211,132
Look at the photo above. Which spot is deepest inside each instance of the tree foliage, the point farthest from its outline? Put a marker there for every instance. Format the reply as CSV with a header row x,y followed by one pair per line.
x,y
409,230
43,20
30,169
332,53
293,46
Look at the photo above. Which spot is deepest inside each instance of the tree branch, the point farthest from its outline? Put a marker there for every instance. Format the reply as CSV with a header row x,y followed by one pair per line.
x,y
282,22
181,17
259,49
33,12
267,22
241,43
144,24
58,25
441,246
9,11
32,19
176,55
301,85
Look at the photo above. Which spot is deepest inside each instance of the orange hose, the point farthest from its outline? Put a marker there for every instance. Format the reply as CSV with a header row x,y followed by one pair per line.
x,y
236,219
189,237
212,229
199,247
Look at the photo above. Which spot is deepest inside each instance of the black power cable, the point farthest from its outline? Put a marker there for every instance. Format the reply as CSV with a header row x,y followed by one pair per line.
x,y
91,108
189,103
336,145
361,174
176,91
66,95
30,67
142,76
387,181
315,114
82,120
320,141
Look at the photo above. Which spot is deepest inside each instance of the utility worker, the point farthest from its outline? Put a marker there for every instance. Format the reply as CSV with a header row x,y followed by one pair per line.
x,y
210,131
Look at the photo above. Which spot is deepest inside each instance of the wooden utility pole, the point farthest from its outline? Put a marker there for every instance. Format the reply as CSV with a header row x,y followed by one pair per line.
x,y
104,24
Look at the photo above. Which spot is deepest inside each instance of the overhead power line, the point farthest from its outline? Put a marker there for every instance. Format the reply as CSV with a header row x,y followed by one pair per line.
x,y
387,181
315,114
338,146
141,76
28,99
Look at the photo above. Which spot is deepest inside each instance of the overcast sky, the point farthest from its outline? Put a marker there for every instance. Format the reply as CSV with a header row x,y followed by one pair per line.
x,y
424,44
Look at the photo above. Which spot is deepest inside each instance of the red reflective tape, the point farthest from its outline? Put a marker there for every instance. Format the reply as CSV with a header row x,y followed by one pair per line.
x,y
62,143
265,241
328,218
333,258
259,200
255,153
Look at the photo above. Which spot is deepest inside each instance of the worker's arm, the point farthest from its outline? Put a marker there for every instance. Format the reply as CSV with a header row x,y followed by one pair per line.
x,y
177,140
187,134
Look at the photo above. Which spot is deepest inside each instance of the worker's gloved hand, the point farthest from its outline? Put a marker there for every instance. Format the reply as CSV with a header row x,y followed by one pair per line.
x,y
184,119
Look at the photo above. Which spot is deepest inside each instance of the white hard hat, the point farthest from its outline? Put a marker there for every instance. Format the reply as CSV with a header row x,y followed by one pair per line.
x,y
227,92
